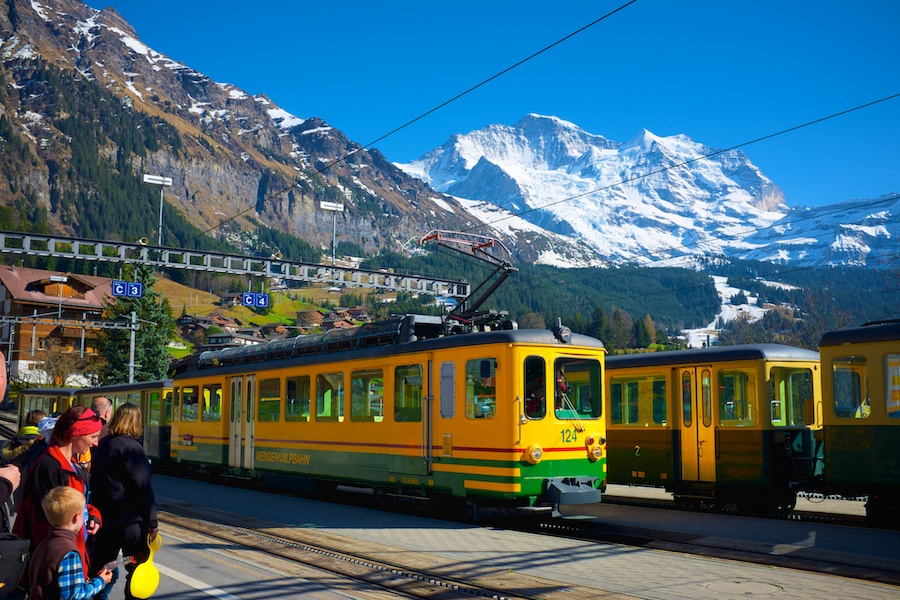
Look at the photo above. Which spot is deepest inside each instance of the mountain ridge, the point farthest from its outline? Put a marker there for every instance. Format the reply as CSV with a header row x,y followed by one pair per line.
x,y
552,192
650,200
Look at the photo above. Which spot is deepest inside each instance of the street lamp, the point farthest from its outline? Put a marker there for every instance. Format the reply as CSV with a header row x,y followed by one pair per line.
x,y
59,280
160,181
335,208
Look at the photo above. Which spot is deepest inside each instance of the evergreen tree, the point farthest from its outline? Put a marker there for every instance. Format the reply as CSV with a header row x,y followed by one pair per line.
x,y
619,329
640,334
157,327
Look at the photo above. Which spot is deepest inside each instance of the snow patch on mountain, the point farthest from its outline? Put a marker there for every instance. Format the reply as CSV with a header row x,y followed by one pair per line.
x,y
649,200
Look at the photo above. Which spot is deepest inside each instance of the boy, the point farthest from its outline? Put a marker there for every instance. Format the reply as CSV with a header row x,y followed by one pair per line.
x,y
57,569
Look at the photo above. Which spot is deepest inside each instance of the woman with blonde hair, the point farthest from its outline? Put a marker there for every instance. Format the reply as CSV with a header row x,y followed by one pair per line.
x,y
123,492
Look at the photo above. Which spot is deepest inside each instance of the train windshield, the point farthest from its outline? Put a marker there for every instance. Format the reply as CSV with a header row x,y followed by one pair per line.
x,y
577,385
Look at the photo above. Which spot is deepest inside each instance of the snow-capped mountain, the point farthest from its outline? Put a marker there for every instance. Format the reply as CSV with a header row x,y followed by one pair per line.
x,y
651,200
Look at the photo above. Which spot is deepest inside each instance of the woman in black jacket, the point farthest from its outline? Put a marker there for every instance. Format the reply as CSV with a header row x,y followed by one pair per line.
x,y
122,490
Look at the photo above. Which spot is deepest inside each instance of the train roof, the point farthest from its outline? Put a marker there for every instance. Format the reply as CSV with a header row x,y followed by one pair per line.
x,y
50,391
711,355
879,331
412,333
126,387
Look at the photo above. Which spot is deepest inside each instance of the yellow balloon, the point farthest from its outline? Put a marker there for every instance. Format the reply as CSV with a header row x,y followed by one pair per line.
x,y
145,578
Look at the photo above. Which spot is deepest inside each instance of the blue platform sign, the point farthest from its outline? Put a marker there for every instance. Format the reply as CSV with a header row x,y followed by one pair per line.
x,y
128,289
255,299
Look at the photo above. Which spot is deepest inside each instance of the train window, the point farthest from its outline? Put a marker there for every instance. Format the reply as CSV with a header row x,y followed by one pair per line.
x,y
296,406
687,399
448,390
269,405
408,394
153,408
791,397
737,395
851,387
535,387
212,402
330,397
481,388
367,395
638,401
892,385
189,403
167,415
706,397
578,384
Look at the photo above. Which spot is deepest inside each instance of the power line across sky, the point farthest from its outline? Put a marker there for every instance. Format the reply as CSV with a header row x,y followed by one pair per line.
x,y
718,72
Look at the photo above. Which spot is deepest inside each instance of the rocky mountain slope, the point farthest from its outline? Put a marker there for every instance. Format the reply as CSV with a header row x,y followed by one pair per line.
x,y
234,158
86,108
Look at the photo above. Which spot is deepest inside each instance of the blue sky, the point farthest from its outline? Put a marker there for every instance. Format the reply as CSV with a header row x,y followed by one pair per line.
x,y
722,72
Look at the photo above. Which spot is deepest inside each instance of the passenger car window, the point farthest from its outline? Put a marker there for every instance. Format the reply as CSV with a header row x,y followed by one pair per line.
x,y
269,406
737,399
791,397
892,385
212,402
638,401
189,403
367,395
408,387
330,397
481,388
850,376
296,407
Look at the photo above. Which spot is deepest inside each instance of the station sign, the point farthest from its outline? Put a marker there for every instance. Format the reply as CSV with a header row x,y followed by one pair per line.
x,y
127,289
255,299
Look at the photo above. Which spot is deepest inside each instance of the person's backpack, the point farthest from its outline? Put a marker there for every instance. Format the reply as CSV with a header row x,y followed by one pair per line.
x,y
13,560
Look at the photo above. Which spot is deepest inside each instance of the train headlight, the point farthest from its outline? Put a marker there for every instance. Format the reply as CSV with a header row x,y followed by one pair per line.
x,y
595,453
534,454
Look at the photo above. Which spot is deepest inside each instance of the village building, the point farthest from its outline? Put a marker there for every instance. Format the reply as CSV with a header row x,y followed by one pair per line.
x,y
44,308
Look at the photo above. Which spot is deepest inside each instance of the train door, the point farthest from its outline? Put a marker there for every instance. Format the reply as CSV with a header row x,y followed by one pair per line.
x,y
428,443
413,399
698,450
241,427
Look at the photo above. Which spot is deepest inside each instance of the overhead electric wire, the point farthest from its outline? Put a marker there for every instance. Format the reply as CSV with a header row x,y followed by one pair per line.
x,y
693,160
422,116
596,190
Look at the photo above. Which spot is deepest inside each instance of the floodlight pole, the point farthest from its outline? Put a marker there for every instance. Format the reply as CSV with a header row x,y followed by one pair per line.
x,y
335,208
162,182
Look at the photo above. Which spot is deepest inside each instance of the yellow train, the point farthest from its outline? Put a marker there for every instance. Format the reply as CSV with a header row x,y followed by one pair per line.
x,y
507,418
861,417
724,425
154,398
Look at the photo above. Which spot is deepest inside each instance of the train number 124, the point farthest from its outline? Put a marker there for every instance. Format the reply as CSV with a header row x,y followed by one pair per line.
x,y
569,435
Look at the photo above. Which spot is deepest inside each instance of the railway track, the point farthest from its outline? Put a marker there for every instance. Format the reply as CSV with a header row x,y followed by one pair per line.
x,y
416,576
811,507
380,567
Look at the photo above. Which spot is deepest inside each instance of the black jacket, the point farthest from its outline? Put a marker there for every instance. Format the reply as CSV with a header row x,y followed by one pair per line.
x,y
120,482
